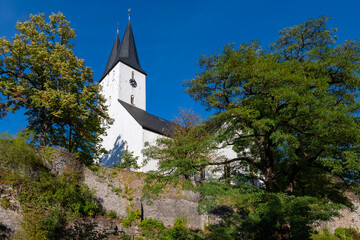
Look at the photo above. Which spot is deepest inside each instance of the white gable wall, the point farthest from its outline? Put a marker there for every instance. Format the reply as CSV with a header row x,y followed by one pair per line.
x,y
150,137
125,132
110,85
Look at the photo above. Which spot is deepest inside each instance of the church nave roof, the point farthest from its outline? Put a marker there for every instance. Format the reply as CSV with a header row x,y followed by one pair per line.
x,y
149,121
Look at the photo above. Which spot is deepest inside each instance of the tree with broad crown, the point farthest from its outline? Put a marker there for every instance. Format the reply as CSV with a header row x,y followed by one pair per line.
x,y
294,107
40,72
291,113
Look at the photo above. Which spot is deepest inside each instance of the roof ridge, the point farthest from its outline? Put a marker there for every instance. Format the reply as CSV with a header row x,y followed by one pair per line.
x,y
149,121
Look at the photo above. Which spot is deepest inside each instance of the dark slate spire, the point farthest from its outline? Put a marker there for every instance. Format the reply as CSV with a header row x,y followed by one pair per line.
x,y
114,56
128,53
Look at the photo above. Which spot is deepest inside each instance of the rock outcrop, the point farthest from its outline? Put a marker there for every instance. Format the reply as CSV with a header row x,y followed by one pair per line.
x,y
10,212
118,190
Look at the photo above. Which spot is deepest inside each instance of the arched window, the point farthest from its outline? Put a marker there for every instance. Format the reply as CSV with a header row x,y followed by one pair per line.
x,y
132,99
132,75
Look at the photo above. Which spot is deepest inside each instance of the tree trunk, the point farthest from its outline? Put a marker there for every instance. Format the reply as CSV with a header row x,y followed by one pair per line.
x,y
267,159
283,233
43,127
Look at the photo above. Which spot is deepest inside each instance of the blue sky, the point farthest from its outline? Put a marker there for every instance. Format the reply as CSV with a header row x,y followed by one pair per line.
x,y
171,35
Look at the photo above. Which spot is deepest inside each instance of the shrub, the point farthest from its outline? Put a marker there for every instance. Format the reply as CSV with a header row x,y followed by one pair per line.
x,y
132,217
111,214
128,161
4,202
151,228
340,234
51,201
347,233
16,155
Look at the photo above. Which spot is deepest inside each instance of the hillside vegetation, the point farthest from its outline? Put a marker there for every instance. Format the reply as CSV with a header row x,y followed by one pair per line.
x,y
290,113
60,206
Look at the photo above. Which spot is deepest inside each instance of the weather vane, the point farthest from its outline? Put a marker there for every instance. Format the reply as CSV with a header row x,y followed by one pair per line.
x,y
129,13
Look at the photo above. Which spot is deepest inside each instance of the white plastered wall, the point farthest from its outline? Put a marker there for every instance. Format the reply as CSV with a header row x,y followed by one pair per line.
x,y
150,137
126,90
125,132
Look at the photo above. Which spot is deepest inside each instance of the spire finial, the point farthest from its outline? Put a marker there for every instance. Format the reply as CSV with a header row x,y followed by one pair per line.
x,y
129,13
117,29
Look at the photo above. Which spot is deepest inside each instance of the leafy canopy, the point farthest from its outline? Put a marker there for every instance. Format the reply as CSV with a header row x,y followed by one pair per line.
x,y
294,107
40,72
290,113
128,161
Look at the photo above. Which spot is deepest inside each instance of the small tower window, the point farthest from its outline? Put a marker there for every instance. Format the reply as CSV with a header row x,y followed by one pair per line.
x,y
132,99
132,75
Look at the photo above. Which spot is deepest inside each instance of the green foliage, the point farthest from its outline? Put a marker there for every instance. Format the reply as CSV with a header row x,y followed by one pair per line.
x,y
48,201
291,115
324,235
63,191
340,234
4,202
40,72
133,216
128,161
51,201
129,193
117,190
253,213
182,155
16,155
111,214
151,228
347,233
180,230
295,105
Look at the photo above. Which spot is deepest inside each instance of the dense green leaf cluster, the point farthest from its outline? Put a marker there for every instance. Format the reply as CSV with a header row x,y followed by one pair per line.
x,y
291,115
153,229
40,72
48,201
185,153
340,234
127,161
17,155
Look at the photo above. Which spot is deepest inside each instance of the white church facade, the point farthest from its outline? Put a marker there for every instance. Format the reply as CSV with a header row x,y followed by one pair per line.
x,y
124,87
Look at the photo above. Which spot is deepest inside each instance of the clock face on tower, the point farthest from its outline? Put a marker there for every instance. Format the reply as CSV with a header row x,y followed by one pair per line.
x,y
133,83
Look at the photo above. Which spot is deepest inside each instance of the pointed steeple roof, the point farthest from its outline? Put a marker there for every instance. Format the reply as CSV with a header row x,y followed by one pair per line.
x,y
114,56
128,53
124,52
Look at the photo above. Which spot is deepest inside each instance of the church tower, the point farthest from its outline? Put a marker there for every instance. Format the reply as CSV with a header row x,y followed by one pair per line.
x,y
123,77
124,88
123,83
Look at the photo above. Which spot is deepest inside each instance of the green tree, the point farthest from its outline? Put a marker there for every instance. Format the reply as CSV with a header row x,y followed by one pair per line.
x,y
290,113
128,161
296,106
40,72
182,155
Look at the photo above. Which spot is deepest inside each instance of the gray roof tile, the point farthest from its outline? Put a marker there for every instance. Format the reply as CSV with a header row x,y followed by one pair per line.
x,y
149,121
